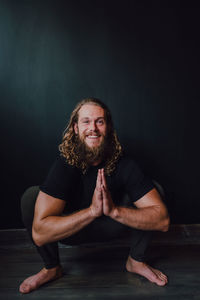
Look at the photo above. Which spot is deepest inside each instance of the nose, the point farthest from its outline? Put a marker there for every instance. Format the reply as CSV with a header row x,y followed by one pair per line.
x,y
93,126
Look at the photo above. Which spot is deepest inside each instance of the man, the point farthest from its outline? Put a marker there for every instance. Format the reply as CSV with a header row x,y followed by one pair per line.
x,y
84,190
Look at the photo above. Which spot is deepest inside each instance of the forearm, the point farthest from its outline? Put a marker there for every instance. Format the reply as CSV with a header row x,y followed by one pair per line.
x,y
54,228
148,218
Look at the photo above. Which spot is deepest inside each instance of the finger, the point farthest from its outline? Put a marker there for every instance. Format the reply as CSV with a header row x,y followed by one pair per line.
x,y
99,194
98,181
103,178
100,178
104,192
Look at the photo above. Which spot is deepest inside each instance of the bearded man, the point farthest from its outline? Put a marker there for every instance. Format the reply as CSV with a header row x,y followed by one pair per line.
x,y
82,197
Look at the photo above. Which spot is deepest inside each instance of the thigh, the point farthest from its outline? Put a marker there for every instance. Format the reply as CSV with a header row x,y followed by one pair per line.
x,y
28,204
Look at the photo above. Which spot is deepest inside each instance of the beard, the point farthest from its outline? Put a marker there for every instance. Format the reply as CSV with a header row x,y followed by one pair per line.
x,y
91,155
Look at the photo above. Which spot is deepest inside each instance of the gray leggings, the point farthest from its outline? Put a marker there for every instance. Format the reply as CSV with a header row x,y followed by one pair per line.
x,y
102,229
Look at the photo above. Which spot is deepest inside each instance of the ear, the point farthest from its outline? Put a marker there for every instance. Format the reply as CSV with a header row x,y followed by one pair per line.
x,y
76,128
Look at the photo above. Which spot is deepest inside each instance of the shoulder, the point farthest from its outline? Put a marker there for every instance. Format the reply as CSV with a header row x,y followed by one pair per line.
x,y
128,169
62,161
60,179
61,165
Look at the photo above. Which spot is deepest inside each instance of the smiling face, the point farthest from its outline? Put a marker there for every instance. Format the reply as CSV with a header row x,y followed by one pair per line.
x,y
91,125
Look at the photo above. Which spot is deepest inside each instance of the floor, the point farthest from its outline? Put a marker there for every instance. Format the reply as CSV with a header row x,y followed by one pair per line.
x,y
97,271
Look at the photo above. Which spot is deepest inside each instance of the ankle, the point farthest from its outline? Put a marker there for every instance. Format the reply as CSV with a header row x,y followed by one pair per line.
x,y
134,263
52,270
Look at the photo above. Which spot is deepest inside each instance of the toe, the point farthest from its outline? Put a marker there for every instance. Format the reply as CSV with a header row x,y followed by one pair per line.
x,y
161,281
159,278
24,289
163,277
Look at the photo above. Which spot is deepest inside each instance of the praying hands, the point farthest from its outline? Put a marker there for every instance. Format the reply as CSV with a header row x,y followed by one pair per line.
x,y
102,203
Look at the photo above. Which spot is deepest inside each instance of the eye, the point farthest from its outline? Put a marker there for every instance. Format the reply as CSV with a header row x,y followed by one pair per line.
x,y
100,122
85,122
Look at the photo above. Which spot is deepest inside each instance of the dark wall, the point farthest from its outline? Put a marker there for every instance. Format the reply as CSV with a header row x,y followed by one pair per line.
x,y
141,58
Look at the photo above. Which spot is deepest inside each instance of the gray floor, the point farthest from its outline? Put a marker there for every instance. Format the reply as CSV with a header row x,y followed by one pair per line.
x,y
97,271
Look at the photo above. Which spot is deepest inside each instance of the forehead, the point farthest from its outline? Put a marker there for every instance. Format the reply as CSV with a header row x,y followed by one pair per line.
x,y
91,111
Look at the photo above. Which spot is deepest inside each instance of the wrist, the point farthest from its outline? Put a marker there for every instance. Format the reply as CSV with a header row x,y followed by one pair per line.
x,y
93,213
115,212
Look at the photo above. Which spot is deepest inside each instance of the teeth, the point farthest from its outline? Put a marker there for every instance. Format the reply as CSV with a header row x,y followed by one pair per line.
x,y
92,136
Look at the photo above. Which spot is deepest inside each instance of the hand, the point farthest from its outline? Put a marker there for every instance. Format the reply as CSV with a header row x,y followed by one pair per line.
x,y
97,199
108,205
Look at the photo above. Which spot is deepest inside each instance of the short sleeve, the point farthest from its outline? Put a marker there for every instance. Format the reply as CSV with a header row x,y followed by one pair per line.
x,y
60,180
136,183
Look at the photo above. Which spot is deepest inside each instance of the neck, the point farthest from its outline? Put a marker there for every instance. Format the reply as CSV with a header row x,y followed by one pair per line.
x,y
96,163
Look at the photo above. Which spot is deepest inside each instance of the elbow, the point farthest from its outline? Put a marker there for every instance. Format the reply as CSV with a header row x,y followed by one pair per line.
x,y
165,224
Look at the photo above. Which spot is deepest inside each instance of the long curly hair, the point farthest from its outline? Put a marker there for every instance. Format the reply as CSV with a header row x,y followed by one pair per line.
x,y
69,140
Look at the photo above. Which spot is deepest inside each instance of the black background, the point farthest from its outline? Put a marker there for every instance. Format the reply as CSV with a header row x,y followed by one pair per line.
x,y
140,57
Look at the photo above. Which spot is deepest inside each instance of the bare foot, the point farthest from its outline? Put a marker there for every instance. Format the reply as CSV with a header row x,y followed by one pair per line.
x,y
35,281
146,271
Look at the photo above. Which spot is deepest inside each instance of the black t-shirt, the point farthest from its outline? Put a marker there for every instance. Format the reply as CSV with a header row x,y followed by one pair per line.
x,y
68,183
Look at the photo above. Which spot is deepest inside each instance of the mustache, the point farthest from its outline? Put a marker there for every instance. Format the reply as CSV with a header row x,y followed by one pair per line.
x,y
92,133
